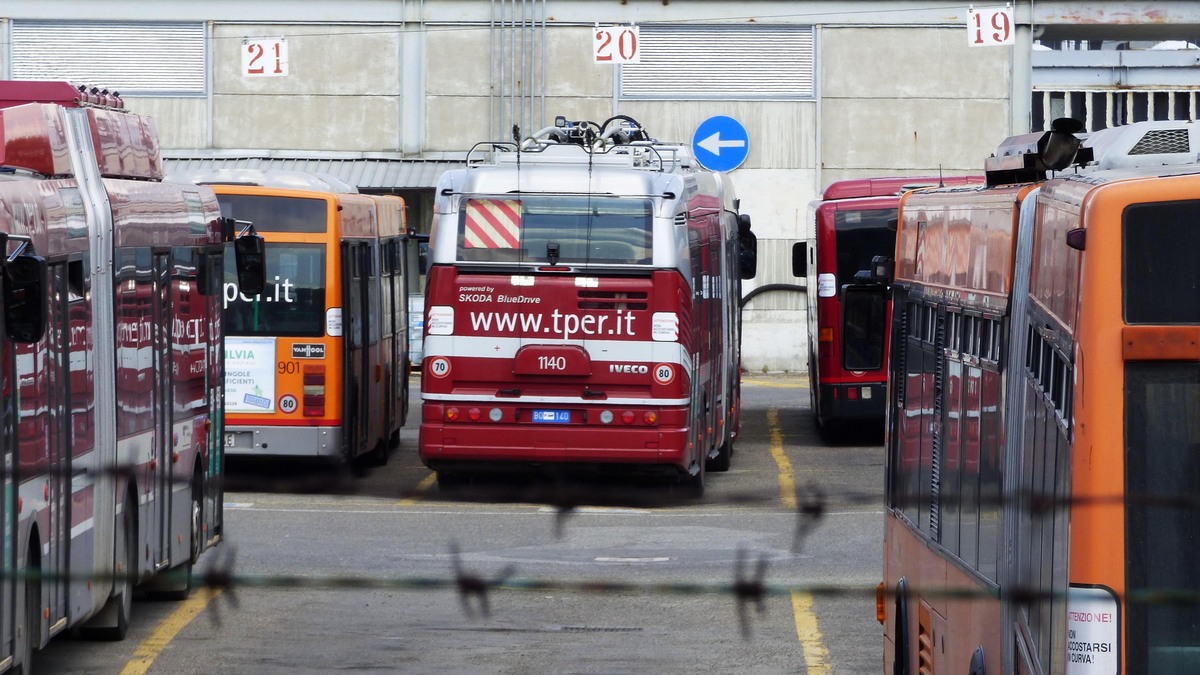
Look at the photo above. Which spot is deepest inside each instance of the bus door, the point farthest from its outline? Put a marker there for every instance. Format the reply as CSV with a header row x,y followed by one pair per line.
x,y
355,385
58,445
159,487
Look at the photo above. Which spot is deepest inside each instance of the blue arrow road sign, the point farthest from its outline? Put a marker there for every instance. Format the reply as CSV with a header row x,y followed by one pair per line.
x,y
720,143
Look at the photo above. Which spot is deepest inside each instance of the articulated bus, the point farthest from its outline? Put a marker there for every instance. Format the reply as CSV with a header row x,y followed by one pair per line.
x,y
582,309
1042,413
110,367
852,222
316,365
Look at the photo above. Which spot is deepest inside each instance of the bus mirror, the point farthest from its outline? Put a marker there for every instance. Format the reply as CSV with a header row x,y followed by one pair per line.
x,y
747,248
883,269
864,325
250,255
25,297
800,259
423,257
747,255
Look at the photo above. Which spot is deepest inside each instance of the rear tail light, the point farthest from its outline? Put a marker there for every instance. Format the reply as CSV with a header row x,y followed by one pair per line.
x,y
474,414
650,417
314,390
627,417
452,414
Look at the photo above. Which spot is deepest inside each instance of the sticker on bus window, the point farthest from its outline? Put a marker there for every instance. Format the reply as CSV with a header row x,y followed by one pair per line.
x,y
1093,628
249,374
333,322
492,223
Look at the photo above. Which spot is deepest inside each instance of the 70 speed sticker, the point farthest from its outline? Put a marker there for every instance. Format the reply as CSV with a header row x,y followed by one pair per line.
x,y
439,367
664,373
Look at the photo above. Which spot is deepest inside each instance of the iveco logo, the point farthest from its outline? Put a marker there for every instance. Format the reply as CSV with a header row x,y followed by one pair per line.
x,y
628,368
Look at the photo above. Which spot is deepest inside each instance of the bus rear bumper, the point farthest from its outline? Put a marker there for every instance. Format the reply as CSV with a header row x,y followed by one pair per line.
x,y
307,442
656,451
853,402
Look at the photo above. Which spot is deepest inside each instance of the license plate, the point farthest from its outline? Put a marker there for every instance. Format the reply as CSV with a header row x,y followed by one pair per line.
x,y
551,416
239,439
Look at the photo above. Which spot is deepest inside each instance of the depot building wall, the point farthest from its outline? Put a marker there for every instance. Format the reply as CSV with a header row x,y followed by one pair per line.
x,y
887,100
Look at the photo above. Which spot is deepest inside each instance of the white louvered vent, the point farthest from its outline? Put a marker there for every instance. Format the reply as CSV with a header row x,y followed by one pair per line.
x,y
132,58
722,62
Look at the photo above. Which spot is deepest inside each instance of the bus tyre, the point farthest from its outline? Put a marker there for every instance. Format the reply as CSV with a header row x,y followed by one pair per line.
x,y
33,615
723,459
112,622
449,482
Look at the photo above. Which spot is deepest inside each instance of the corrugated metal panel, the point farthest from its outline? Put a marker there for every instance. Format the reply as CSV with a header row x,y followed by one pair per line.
x,y
366,174
722,62
131,58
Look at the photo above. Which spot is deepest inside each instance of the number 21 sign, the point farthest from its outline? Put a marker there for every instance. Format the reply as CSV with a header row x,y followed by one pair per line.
x,y
990,27
264,57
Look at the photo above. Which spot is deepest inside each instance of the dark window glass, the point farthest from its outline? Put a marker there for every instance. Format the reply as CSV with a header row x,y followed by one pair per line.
x,y
293,301
1162,279
1162,461
276,214
862,235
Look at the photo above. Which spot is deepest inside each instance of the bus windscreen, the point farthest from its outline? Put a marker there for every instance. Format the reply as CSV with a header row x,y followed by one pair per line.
x,y
551,230
292,302
862,235
276,214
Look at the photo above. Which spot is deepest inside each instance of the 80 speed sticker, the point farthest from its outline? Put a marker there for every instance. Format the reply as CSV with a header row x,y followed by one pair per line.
x,y
664,373
287,403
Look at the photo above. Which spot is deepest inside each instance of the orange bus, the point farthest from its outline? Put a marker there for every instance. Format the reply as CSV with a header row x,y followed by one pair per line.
x,y
317,365
1041,429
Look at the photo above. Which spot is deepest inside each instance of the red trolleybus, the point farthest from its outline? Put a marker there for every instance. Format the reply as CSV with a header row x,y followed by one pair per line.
x,y
110,367
582,308
1042,435
316,365
852,222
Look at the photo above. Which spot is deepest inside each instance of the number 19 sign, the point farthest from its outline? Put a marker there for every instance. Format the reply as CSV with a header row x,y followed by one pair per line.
x,y
616,44
990,27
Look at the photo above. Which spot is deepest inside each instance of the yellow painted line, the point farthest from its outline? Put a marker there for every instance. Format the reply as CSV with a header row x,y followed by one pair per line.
x,y
787,480
168,628
816,656
777,384
419,491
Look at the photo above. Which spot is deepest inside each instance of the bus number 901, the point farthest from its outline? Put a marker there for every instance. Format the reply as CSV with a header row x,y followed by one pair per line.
x,y
287,367
552,362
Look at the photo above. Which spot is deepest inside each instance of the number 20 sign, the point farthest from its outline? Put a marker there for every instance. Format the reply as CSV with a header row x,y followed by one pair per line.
x,y
616,44
265,57
990,27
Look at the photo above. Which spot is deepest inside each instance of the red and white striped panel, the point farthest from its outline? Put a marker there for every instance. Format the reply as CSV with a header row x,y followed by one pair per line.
x,y
492,223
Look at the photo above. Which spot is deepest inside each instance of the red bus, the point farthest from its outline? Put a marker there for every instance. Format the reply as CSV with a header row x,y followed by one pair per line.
x,y
110,368
853,222
317,365
581,308
1041,442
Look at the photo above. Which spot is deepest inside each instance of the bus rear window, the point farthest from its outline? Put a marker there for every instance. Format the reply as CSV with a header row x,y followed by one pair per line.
x,y
293,301
276,214
862,235
1161,278
568,230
